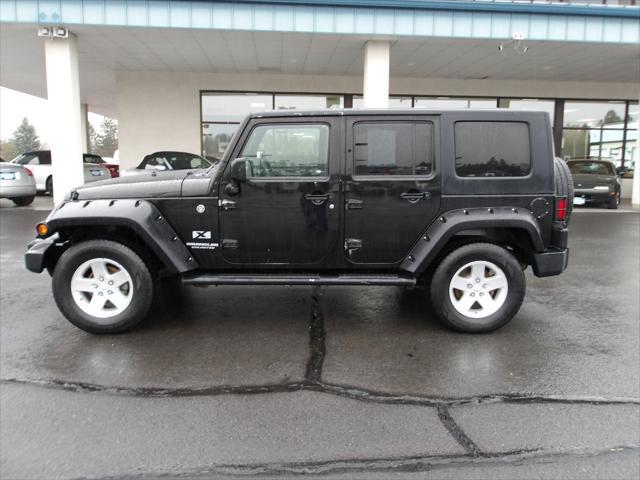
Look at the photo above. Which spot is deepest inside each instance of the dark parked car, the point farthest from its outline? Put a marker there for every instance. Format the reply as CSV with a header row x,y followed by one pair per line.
x,y
458,201
166,161
595,181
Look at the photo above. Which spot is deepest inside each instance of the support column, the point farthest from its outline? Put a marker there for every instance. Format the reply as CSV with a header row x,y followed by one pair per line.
x,y
376,74
63,93
84,125
635,192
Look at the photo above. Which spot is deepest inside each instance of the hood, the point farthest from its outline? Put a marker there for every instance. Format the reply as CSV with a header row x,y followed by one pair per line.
x,y
175,183
167,184
586,180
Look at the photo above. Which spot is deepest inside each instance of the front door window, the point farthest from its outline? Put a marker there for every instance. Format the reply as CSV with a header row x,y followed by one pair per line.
x,y
287,151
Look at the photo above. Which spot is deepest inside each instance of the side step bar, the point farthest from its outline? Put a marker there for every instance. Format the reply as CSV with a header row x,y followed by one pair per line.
x,y
299,279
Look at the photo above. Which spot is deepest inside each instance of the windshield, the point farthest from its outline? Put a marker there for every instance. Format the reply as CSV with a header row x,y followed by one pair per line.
x,y
175,161
591,168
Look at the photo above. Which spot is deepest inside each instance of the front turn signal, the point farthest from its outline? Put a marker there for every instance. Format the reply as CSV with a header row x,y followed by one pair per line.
x,y
42,229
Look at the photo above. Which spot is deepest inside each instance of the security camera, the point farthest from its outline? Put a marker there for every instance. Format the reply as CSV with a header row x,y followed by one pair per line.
x,y
44,31
60,32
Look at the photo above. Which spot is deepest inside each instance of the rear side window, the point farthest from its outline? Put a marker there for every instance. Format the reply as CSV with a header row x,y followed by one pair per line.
x,y
392,148
492,149
45,157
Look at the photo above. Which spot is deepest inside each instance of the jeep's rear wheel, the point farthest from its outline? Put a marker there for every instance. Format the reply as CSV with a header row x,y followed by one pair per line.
x,y
477,288
102,286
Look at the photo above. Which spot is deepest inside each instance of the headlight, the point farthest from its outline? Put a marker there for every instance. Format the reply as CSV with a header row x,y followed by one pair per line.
x,y
602,187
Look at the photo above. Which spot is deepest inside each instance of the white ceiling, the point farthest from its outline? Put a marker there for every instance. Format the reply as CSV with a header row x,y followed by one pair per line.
x,y
103,50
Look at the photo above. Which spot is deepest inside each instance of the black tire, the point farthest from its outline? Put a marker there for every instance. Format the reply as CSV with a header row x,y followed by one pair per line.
x,y
23,201
500,257
143,286
49,186
564,183
614,203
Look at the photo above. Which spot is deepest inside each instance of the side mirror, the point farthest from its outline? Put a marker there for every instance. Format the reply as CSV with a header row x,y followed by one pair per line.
x,y
239,170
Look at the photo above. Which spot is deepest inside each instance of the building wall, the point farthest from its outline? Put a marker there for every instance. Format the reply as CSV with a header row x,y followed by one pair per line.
x,y
161,110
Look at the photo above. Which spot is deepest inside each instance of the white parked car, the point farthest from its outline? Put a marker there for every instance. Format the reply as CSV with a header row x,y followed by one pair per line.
x,y
17,184
39,162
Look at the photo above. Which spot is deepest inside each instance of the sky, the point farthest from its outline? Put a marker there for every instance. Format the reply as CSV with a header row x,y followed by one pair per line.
x,y
14,106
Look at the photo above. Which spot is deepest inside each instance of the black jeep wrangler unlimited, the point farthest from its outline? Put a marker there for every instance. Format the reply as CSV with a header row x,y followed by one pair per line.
x,y
460,201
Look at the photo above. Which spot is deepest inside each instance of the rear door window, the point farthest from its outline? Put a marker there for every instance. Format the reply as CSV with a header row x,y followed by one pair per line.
x,y
492,149
392,148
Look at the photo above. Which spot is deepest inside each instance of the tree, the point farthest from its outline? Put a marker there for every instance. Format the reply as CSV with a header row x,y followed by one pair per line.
x,y
611,117
7,150
25,138
94,140
107,142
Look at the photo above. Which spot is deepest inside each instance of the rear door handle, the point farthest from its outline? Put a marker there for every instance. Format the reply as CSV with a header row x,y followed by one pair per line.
x,y
317,198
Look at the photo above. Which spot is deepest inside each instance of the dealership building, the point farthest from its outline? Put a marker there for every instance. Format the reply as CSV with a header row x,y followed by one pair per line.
x,y
181,75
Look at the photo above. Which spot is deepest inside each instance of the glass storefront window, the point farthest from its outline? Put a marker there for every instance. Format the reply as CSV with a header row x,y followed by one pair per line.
x,y
308,102
576,144
529,104
438,103
594,114
216,138
233,107
394,102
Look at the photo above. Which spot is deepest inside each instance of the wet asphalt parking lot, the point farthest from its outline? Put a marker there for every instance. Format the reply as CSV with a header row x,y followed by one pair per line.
x,y
342,382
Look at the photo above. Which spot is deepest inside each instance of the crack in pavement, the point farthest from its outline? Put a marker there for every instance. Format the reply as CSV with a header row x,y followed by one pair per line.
x,y
457,433
352,392
391,464
317,334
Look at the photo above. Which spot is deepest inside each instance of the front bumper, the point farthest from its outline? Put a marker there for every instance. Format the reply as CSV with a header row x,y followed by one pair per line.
x,y
594,196
37,250
551,262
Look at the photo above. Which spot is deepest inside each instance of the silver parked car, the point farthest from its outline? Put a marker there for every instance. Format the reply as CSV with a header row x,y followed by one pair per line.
x,y
17,184
39,162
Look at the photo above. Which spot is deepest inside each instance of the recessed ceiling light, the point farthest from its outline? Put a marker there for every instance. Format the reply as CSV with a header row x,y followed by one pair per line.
x,y
411,64
547,67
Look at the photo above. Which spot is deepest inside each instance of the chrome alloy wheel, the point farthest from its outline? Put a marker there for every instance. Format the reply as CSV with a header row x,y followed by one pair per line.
x,y
102,288
478,289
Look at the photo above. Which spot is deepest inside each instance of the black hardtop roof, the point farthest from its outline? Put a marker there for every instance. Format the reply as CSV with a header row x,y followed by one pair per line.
x,y
339,112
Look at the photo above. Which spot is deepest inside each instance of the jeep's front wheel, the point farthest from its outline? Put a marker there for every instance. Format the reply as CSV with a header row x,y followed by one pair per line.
x,y
478,288
102,286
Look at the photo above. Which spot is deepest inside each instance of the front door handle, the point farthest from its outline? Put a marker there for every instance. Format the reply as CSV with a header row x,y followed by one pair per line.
x,y
415,196
227,204
317,198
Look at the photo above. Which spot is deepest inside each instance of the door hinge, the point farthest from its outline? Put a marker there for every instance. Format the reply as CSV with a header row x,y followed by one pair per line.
x,y
353,204
352,244
229,243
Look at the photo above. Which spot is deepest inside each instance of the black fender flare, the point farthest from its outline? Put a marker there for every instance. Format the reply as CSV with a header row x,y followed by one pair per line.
x,y
436,236
141,216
